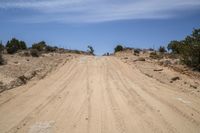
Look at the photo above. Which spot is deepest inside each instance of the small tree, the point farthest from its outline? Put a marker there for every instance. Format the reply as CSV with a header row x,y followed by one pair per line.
x,y
22,45
1,47
118,48
162,49
174,46
188,49
1,59
137,51
14,45
90,50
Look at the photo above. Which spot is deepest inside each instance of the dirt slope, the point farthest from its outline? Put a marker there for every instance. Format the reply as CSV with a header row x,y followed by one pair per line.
x,y
98,94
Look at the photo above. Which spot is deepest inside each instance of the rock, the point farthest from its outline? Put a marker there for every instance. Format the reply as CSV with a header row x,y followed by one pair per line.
x,y
149,75
175,78
165,63
125,58
158,69
30,75
23,79
193,86
141,59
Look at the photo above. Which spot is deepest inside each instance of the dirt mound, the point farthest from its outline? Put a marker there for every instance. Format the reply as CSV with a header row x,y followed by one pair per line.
x,y
19,68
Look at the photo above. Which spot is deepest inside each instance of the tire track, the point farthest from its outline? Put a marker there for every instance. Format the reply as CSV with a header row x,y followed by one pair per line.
x,y
138,103
40,107
158,98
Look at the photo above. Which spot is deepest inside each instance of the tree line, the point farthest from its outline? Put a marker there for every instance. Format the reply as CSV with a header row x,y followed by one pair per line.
x,y
14,45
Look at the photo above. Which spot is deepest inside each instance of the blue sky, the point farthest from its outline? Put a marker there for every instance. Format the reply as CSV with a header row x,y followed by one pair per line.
x,y
101,23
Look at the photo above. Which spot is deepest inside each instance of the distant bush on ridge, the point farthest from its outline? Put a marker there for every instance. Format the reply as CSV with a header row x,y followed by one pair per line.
x,y
118,48
14,45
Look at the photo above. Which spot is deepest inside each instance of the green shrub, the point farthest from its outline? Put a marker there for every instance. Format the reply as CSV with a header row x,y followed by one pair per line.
x,y
118,48
34,53
188,49
26,53
2,61
76,51
14,45
136,52
50,48
154,55
22,45
90,50
1,47
162,49
41,46
174,46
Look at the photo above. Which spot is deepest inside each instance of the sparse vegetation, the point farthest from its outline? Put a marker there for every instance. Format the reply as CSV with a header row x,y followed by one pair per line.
x,y
1,47
14,45
50,48
155,55
188,49
141,59
162,49
2,61
40,46
136,52
26,53
34,53
90,50
118,48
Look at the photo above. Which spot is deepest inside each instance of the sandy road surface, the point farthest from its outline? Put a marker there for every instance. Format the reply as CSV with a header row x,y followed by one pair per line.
x,y
98,95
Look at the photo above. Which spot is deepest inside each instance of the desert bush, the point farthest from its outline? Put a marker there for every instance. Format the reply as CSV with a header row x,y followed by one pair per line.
x,y
118,48
151,49
34,53
154,55
22,45
1,47
188,49
90,50
41,46
14,45
76,51
2,61
136,51
174,46
162,49
26,53
141,59
50,48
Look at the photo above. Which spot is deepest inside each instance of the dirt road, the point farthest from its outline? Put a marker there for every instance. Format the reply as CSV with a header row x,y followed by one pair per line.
x,y
98,95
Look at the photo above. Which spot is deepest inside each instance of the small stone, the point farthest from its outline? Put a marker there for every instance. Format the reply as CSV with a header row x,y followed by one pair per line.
x,y
193,86
141,59
158,70
175,78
